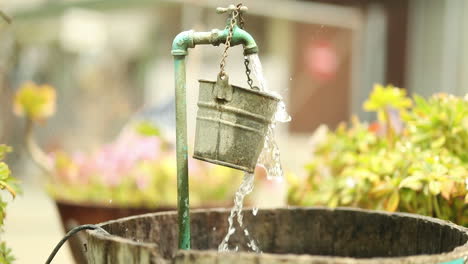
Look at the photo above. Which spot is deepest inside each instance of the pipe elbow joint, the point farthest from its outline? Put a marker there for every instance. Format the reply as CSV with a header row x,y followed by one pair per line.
x,y
182,42
244,38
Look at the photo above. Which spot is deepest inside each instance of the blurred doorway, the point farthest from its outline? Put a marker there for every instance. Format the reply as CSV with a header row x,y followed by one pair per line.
x,y
321,81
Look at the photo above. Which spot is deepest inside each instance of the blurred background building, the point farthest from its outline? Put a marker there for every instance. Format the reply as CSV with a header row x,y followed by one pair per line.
x,y
110,60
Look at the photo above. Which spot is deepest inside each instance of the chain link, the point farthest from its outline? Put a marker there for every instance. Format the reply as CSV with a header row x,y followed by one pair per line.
x,y
247,72
246,60
227,44
236,18
241,18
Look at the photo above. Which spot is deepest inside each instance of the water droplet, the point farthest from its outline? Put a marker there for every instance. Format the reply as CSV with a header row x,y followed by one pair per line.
x,y
255,211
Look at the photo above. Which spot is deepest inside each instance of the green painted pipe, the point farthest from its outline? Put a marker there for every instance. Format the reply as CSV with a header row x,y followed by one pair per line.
x,y
189,39
182,42
457,261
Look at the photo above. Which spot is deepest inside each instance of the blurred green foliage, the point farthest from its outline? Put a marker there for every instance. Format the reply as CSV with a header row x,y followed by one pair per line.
x,y
413,159
8,183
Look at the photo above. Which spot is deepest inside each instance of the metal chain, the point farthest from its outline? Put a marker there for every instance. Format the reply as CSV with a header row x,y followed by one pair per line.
x,y
227,44
236,18
246,60
247,72
241,18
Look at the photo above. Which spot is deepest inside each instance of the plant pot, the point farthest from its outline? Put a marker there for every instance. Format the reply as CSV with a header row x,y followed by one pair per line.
x,y
288,235
75,214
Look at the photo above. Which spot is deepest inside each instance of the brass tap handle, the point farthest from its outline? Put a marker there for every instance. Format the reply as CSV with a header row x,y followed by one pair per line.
x,y
230,8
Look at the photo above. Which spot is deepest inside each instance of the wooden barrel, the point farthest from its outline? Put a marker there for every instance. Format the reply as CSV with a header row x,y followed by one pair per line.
x,y
286,235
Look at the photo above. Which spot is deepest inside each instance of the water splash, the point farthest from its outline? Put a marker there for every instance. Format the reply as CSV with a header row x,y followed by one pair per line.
x,y
270,155
245,188
269,159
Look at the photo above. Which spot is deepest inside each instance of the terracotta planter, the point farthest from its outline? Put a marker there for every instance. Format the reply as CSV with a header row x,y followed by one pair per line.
x,y
74,214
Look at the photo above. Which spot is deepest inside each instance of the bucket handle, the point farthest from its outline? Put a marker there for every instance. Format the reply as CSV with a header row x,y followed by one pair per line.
x,y
222,89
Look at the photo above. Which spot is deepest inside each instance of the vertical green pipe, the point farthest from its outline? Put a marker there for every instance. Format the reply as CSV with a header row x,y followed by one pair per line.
x,y
182,156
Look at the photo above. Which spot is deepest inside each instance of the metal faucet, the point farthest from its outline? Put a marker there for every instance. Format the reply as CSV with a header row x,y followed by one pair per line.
x,y
182,42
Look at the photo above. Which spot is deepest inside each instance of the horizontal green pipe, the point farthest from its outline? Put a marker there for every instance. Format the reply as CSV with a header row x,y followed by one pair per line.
x,y
189,39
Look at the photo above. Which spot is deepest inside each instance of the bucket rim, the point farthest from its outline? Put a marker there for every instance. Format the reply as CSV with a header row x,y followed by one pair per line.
x,y
262,93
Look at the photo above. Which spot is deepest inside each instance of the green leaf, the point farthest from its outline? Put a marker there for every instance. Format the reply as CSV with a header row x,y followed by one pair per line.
x,y
434,187
6,256
438,143
382,98
4,149
4,171
412,182
333,202
346,199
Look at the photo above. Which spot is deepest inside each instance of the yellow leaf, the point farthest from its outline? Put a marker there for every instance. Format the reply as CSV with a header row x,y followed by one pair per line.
x,y
392,202
446,189
36,102
381,190
8,188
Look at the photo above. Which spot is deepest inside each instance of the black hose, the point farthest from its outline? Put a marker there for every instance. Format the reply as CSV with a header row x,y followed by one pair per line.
x,y
70,234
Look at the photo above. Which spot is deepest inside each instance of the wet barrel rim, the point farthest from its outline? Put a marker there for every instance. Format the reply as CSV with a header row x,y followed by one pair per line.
x,y
163,237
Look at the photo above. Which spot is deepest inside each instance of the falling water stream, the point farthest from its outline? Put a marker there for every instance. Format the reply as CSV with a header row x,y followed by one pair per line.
x,y
245,188
269,159
270,155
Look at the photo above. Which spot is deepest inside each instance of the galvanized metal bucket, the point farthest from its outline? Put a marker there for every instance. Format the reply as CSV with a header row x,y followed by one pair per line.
x,y
232,123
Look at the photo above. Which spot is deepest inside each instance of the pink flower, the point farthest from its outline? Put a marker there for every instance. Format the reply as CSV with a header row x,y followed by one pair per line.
x,y
142,180
112,162
116,160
